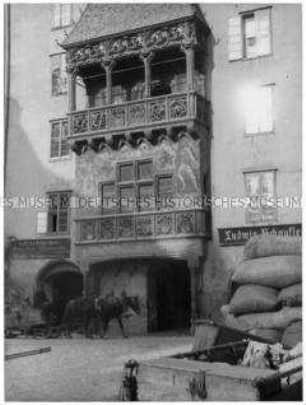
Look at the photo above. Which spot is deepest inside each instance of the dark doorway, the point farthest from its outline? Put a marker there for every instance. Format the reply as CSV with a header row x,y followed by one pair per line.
x,y
57,283
169,296
66,285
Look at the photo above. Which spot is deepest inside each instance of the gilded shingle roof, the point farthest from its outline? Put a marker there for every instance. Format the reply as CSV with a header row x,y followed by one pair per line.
x,y
100,20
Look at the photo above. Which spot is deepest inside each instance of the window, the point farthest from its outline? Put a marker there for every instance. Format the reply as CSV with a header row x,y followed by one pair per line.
x,y
134,187
249,35
260,183
261,189
59,141
58,212
259,109
58,74
61,15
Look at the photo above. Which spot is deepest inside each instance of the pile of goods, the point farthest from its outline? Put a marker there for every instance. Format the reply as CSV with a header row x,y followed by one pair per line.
x,y
267,301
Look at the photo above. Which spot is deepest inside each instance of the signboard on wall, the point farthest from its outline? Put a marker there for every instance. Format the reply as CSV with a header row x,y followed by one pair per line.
x,y
240,235
58,248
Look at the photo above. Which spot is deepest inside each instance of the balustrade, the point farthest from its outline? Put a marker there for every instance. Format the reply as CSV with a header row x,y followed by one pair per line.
x,y
151,225
151,111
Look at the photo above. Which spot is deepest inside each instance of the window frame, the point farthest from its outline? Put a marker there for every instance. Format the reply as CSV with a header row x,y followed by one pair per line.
x,y
261,209
62,74
59,156
242,15
57,211
60,25
260,123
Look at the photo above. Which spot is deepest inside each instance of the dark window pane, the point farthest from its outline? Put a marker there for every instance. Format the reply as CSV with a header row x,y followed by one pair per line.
x,y
54,148
52,222
56,81
64,147
63,221
55,130
126,172
145,170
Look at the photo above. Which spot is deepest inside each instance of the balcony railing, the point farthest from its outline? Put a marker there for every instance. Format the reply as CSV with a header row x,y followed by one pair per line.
x,y
138,226
172,108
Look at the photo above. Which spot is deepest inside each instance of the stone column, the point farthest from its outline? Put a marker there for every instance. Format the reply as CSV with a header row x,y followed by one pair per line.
x,y
190,67
72,74
108,66
147,57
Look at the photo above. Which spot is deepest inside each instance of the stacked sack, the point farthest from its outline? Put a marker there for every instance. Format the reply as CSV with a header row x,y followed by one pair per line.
x,y
268,298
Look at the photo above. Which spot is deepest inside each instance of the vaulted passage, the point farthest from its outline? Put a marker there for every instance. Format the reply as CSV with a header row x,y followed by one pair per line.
x,y
162,286
57,284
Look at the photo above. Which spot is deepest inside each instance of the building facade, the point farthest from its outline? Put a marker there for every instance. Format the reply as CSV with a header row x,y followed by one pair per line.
x,y
140,138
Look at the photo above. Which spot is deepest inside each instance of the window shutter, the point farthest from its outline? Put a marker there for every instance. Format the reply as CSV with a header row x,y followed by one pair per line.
x,y
234,38
42,221
263,32
55,139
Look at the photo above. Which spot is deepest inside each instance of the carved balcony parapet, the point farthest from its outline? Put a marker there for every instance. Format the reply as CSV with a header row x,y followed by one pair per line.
x,y
140,225
182,34
151,113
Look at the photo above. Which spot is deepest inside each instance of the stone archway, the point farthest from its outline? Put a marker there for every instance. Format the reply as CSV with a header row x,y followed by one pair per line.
x,y
57,283
163,286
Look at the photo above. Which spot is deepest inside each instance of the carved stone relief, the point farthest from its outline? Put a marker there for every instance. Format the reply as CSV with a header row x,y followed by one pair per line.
x,y
182,34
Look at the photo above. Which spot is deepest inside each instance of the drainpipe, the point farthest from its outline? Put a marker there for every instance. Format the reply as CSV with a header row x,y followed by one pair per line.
x,y
7,27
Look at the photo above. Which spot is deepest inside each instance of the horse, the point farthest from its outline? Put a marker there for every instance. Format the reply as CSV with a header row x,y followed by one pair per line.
x,y
80,310
111,307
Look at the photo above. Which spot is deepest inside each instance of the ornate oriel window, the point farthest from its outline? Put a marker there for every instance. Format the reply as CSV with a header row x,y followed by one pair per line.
x,y
58,212
59,142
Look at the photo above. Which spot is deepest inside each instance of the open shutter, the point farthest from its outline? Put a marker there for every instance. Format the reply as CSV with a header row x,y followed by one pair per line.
x,y
42,220
234,38
263,32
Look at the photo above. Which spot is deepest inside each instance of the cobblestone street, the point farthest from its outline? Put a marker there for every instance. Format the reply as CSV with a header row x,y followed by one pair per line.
x,y
79,369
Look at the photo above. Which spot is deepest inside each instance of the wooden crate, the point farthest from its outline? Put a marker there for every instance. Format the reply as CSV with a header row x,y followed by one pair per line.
x,y
169,379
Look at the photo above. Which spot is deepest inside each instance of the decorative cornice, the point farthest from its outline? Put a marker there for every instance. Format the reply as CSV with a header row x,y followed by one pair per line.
x,y
182,34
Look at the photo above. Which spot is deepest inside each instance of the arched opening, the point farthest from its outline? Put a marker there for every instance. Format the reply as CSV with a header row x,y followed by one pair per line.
x,y
94,82
162,285
168,72
128,80
58,283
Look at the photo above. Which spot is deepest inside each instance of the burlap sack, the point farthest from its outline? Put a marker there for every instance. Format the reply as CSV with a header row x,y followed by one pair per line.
x,y
275,320
291,296
253,298
293,334
230,320
275,271
270,245
272,335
